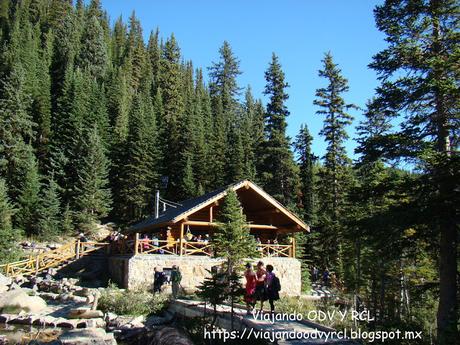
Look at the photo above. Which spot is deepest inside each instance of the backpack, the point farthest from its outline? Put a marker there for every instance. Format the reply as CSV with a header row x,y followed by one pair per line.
x,y
276,285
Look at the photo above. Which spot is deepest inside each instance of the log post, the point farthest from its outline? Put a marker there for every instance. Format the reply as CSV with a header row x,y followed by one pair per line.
x,y
293,246
210,214
77,250
136,244
181,237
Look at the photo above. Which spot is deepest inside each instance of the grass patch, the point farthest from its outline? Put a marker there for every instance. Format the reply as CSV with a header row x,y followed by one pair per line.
x,y
131,302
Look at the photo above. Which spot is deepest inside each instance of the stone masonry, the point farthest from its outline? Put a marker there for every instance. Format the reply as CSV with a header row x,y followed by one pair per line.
x,y
137,271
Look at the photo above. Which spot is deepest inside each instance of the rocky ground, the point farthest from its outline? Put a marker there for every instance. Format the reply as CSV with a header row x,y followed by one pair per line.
x,y
59,311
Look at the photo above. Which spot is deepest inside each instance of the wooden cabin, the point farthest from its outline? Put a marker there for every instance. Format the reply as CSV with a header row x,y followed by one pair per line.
x,y
186,228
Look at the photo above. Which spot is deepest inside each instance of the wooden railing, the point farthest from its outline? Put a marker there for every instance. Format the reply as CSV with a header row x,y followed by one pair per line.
x,y
149,246
35,264
275,250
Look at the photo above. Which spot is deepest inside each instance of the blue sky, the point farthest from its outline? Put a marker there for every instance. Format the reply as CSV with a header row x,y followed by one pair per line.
x,y
298,31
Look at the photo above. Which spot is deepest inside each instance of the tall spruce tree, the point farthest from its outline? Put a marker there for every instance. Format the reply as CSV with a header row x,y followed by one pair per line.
x,y
8,235
93,198
419,73
232,241
335,175
278,171
306,160
16,128
171,123
29,196
49,219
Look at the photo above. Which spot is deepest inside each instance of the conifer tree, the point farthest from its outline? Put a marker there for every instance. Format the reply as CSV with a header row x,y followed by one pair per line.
x,y
8,235
232,239
93,197
278,171
306,160
140,173
49,218
16,128
223,76
29,196
419,78
335,174
173,110
93,51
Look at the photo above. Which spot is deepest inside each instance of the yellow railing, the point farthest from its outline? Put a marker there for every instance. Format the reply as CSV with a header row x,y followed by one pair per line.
x,y
52,258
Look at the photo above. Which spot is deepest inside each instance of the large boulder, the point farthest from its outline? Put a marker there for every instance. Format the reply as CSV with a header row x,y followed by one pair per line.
x,y
87,336
15,301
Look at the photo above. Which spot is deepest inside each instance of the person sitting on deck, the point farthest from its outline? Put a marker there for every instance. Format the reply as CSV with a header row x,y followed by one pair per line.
x,y
155,241
145,242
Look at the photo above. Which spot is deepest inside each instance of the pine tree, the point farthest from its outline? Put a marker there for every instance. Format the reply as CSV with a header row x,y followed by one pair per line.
x,y
8,235
223,76
419,78
278,171
335,174
16,128
232,240
93,54
173,110
306,160
139,174
29,196
49,218
93,197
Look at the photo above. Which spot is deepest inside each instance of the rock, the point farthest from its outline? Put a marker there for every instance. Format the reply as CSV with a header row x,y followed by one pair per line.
x,y
95,323
16,300
5,280
84,313
3,288
14,286
87,336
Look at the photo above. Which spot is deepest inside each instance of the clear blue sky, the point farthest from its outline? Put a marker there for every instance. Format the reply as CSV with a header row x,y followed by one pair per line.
x,y
298,31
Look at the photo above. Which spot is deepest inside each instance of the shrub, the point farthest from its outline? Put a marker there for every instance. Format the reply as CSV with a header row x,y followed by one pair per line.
x,y
131,302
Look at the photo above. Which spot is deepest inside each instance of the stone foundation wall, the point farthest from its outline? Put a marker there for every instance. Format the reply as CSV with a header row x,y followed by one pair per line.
x,y
137,271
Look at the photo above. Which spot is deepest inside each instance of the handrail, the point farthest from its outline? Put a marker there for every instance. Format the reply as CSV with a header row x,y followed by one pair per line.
x,y
52,258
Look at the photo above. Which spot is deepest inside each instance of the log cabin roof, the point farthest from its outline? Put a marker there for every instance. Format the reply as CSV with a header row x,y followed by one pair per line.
x,y
185,208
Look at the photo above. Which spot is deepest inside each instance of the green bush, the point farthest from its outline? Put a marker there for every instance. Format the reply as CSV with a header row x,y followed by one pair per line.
x,y
131,302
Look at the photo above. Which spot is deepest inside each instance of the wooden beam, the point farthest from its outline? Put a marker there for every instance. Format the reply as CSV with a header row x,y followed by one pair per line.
x,y
252,226
199,223
136,244
210,214
181,237
262,226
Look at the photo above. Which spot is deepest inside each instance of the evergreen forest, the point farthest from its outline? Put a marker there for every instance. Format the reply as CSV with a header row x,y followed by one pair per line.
x,y
94,119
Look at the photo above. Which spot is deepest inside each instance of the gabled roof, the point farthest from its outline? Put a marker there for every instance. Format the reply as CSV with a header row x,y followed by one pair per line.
x,y
173,215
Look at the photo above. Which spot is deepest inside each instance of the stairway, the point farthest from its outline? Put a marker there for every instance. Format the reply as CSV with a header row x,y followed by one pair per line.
x,y
58,257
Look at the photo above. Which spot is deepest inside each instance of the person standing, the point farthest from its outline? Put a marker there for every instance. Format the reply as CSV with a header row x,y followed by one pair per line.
x,y
158,280
260,284
251,279
176,278
272,287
